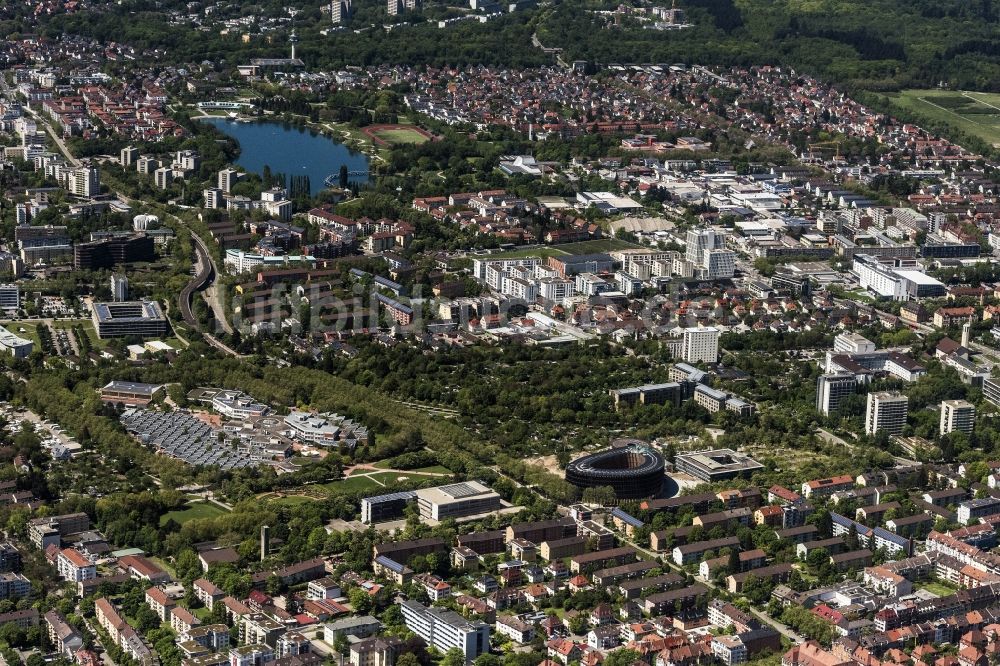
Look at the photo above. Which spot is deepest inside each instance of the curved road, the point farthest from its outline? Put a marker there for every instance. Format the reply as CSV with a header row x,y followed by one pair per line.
x,y
204,264
204,271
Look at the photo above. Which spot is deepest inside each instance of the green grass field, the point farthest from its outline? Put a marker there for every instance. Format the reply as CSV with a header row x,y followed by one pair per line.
x,y
388,478
401,136
434,469
192,511
594,246
430,469
582,247
975,113
163,564
936,587
543,252
350,483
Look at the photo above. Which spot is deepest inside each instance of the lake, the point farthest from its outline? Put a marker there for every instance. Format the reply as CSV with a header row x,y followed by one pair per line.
x,y
291,150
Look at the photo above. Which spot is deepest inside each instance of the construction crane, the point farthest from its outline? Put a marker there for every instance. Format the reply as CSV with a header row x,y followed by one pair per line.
x,y
835,142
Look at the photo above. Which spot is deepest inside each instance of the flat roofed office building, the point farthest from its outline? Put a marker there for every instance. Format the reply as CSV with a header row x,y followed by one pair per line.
x,y
385,507
10,297
17,346
468,498
129,393
141,318
717,464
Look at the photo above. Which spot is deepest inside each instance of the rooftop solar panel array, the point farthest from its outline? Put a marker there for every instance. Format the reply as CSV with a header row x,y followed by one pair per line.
x,y
182,436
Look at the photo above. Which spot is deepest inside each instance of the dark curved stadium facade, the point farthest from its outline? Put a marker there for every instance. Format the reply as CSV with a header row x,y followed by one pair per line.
x,y
634,471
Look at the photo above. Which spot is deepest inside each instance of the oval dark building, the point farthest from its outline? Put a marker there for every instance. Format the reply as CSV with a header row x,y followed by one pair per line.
x,y
634,471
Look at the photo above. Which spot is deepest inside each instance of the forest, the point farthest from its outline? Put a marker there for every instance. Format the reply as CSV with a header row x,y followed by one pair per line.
x,y
879,45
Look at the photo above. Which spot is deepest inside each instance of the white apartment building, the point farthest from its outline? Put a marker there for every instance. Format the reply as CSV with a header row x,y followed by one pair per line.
x,y
74,567
213,198
164,177
187,160
240,261
682,268
555,288
699,242
128,156
228,178
957,415
634,258
707,254
700,345
589,284
520,288
480,266
446,629
832,388
279,210
719,264
83,181
146,165
886,411
119,287
251,655
852,343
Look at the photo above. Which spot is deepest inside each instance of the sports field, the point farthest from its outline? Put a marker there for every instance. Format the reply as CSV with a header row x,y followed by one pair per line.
x,y
975,113
396,135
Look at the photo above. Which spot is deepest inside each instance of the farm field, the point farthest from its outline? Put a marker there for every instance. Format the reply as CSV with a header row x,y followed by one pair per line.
x,y
975,113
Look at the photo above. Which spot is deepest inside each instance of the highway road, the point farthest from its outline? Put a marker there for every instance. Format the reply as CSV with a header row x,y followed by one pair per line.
x,y
204,272
212,294
204,278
